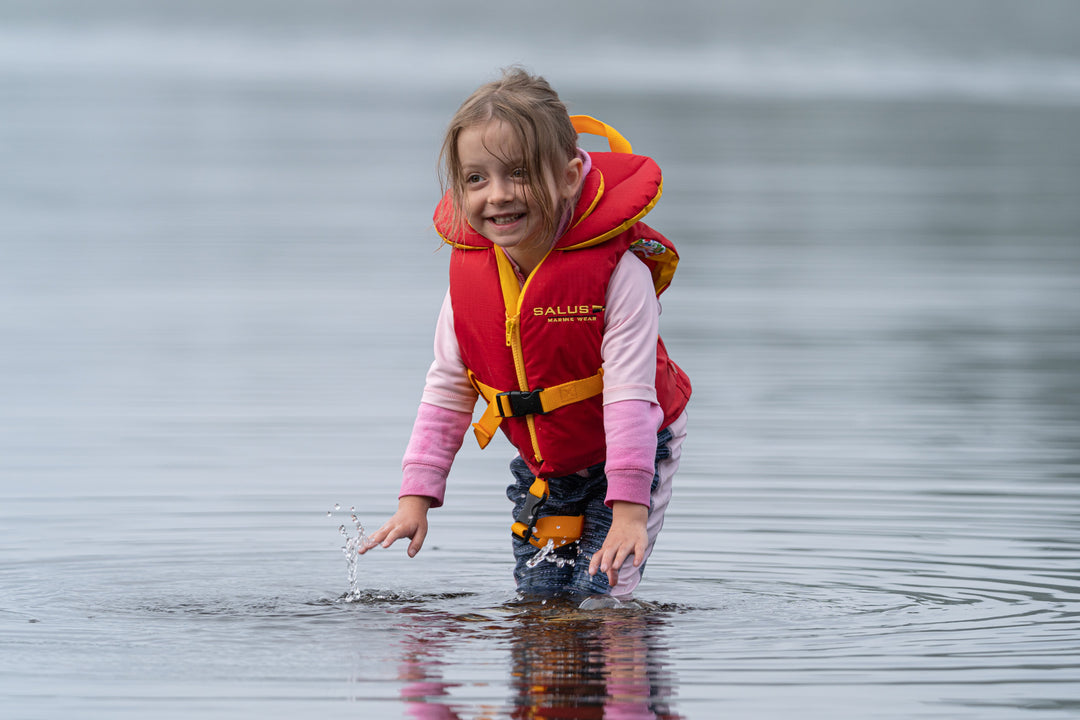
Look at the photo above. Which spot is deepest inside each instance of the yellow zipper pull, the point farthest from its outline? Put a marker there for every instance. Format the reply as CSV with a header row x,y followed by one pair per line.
x,y
511,329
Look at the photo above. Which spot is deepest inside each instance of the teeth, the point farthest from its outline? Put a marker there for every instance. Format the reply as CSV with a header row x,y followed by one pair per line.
x,y
505,219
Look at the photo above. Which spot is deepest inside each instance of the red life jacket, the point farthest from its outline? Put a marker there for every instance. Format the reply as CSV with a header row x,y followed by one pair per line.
x,y
533,351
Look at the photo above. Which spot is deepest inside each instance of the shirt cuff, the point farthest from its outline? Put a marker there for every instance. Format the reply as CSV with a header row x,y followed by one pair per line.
x,y
426,480
436,437
629,485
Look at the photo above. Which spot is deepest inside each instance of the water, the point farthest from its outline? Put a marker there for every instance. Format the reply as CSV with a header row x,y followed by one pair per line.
x,y
217,286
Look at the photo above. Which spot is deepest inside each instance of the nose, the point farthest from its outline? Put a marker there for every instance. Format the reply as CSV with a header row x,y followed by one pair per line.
x,y
501,191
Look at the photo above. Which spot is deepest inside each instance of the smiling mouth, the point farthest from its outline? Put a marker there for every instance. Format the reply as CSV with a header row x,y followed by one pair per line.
x,y
506,219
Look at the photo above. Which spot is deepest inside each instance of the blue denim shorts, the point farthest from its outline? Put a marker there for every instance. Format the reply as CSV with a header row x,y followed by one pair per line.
x,y
566,570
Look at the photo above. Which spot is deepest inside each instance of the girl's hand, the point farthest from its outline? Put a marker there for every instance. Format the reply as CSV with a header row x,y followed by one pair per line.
x,y
627,536
410,521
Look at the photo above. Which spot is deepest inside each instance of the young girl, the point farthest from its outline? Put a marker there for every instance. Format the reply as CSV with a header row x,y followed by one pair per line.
x,y
552,317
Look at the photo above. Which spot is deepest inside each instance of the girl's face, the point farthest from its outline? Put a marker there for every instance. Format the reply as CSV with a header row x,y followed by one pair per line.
x,y
498,202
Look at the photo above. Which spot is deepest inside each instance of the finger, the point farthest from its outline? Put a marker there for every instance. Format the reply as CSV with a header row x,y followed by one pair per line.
x,y
637,550
370,541
417,541
601,560
392,536
607,564
620,556
594,563
639,553
613,574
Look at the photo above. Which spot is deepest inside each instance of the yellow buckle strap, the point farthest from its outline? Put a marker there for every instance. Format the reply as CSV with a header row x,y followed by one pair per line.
x,y
559,530
485,427
526,518
502,404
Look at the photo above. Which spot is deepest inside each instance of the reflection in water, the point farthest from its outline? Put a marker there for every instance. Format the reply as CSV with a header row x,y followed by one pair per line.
x,y
424,692
597,664
607,662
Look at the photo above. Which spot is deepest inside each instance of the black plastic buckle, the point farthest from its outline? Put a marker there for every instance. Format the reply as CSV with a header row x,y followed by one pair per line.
x,y
516,403
529,511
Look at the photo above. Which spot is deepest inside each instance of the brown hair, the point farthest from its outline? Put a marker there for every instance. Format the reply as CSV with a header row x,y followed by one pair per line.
x,y
536,115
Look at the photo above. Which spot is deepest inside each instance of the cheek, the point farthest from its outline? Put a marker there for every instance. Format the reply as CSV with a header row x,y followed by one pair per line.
x,y
530,198
472,205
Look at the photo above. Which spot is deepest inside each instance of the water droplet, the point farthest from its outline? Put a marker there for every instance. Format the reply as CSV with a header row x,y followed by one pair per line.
x,y
542,555
337,506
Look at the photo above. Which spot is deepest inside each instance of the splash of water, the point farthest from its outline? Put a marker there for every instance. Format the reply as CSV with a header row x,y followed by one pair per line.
x,y
351,549
546,553
542,555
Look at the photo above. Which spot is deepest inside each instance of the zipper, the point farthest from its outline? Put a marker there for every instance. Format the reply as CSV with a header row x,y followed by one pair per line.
x,y
513,295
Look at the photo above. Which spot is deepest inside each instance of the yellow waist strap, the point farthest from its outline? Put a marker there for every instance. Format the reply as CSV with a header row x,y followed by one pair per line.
x,y
516,403
559,529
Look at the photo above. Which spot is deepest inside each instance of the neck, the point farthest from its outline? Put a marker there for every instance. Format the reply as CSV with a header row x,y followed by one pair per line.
x,y
527,260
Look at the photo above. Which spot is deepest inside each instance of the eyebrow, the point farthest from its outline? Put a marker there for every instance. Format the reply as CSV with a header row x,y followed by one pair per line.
x,y
512,164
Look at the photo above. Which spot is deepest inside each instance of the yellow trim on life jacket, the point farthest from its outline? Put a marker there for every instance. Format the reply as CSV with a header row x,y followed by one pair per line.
x,y
660,258
665,270
595,200
623,226
512,292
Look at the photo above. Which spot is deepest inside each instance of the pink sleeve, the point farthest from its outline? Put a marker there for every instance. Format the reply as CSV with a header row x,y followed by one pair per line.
x,y
443,417
631,415
436,437
630,427
631,326
447,384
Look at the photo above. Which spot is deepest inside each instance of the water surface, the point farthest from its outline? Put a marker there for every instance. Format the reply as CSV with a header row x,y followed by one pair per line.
x,y
217,288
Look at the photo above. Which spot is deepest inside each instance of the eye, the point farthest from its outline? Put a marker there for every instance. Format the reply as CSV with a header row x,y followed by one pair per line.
x,y
519,173
473,178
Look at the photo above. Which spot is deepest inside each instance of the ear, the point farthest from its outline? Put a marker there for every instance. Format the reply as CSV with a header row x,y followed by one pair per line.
x,y
572,178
